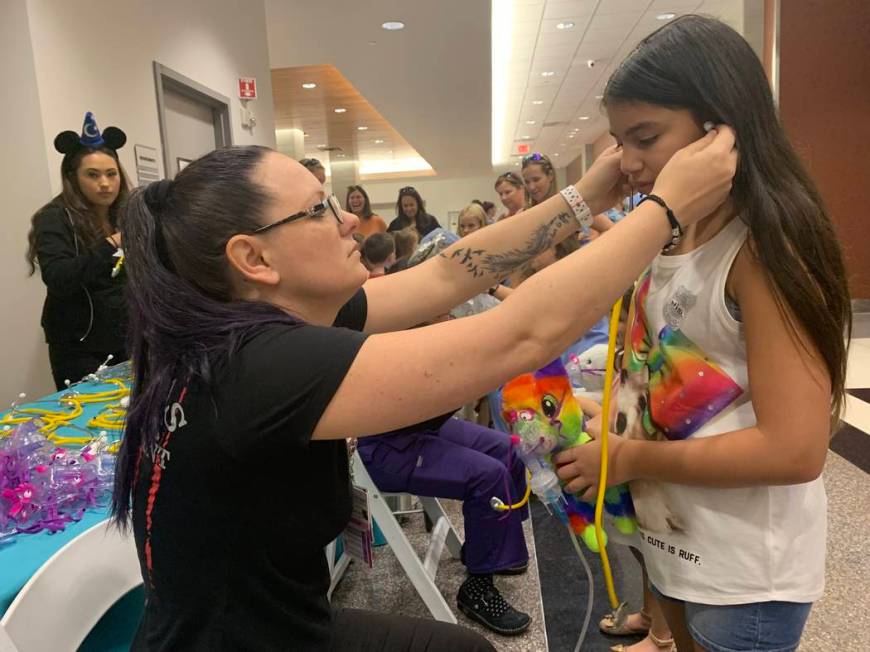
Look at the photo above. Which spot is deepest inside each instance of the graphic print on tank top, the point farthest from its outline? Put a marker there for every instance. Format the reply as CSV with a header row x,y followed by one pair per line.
x,y
669,388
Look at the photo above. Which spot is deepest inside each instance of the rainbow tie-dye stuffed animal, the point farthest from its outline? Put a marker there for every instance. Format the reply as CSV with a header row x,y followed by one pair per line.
x,y
542,413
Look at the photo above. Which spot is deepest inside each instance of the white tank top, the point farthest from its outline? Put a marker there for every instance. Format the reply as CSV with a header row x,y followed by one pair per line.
x,y
685,375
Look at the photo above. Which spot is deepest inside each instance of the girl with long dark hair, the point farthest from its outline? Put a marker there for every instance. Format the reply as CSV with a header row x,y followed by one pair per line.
x,y
74,240
258,347
735,359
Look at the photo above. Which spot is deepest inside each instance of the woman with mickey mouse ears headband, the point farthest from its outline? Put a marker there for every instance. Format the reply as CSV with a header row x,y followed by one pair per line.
x,y
75,242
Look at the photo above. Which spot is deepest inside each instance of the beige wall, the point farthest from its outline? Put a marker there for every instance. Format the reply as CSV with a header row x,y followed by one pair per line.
x,y
441,195
24,186
213,42
604,141
58,72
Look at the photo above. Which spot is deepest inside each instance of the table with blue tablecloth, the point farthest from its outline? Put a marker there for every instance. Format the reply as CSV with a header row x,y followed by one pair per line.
x,y
23,554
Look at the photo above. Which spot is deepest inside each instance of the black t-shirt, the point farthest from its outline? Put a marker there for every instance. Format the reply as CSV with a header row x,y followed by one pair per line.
x,y
232,511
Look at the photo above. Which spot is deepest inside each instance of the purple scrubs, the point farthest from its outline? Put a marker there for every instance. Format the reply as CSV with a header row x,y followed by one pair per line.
x,y
464,461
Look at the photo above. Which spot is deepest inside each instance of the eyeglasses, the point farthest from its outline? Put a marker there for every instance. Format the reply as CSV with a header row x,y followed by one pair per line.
x,y
331,202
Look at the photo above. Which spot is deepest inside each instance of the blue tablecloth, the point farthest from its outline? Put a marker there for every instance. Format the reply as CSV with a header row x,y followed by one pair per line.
x,y
26,553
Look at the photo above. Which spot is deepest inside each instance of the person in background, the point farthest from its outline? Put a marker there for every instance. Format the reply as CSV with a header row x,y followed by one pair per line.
x,y
316,168
471,218
539,175
358,203
379,253
411,211
512,193
489,207
74,240
406,242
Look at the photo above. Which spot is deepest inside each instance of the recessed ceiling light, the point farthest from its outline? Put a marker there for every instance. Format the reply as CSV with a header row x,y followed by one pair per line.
x,y
570,135
516,165
530,122
599,97
340,110
525,137
322,145
309,85
665,16
362,128
566,25
393,25
340,155
583,117
547,73
556,154
537,101
379,141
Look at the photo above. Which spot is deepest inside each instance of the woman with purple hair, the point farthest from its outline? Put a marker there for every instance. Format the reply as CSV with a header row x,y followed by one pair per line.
x,y
258,347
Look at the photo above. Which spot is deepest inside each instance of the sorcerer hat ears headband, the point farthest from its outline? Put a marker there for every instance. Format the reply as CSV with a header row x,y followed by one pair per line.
x,y
69,142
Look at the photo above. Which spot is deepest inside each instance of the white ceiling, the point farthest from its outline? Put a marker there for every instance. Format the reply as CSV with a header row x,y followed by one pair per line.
x,y
605,31
432,80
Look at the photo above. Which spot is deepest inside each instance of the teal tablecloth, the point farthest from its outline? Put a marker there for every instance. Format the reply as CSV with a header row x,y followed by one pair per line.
x,y
26,553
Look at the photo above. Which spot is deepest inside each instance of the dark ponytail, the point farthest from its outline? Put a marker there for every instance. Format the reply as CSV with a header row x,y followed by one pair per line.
x,y
184,320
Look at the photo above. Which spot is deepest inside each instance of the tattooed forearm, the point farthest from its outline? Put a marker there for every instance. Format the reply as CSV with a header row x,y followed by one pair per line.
x,y
479,263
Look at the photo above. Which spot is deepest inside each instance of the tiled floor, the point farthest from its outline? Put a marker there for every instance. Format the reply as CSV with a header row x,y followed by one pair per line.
x,y
838,623
386,588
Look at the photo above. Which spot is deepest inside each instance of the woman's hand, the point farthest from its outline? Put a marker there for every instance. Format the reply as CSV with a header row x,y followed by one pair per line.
x,y
580,466
697,179
604,184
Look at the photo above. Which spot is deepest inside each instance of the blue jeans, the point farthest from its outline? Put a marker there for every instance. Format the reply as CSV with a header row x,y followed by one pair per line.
x,y
753,627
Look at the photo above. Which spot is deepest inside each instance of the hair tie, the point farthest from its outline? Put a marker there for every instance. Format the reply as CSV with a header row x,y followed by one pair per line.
x,y
157,196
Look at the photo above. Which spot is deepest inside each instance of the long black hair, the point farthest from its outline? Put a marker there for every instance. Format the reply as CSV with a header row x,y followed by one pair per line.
x,y
85,224
702,65
184,320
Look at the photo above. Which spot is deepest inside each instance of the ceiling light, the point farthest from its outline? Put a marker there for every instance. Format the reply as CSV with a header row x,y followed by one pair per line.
x,y
362,128
547,73
340,110
583,117
570,135
309,85
556,154
599,97
525,137
530,122
566,25
321,145
393,25
665,16
379,141
537,101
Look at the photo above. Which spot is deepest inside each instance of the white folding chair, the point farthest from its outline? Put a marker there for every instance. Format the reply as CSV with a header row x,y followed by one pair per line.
x,y
421,573
62,602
